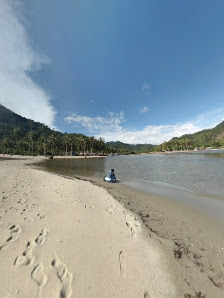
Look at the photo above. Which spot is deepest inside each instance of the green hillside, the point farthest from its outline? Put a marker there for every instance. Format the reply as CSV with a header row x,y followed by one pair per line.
x,y
19,135
213,137
129,148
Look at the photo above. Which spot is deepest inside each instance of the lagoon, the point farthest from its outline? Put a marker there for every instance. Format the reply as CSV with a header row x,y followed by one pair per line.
x,y
194,178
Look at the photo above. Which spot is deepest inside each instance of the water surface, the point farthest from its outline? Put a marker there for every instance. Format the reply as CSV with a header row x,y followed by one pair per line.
x,y
194,178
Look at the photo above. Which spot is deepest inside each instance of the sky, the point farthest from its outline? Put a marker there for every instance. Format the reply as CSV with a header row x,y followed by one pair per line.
x,y
125,70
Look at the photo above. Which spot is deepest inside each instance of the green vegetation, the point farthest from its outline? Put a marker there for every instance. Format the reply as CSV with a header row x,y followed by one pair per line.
x,y
19,135
208,138
124,148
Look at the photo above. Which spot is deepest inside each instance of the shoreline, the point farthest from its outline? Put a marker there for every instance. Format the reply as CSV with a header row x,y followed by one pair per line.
x,y
196,241
69,238
188,240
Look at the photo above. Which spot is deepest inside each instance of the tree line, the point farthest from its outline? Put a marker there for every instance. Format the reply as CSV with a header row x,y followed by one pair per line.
x,y
38,139
208,138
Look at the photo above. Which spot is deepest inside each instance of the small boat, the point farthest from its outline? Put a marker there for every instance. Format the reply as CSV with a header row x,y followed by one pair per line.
x,y
110,177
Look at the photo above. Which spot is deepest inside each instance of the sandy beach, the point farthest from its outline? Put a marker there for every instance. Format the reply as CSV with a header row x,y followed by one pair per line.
x,y
65,237
68,238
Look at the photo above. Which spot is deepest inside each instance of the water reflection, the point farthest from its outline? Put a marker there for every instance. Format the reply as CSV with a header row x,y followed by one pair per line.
x,y
199,172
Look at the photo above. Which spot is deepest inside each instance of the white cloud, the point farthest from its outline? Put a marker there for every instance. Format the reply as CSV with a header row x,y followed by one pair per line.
x,y
18,91
146,87
111,128
144,110
112,122
150,134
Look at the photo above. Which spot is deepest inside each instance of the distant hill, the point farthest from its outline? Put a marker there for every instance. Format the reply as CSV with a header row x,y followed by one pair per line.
x,y
138,148
10,120
19,135
213,137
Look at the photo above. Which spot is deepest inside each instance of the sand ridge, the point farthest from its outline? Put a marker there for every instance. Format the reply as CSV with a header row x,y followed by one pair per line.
x,y
69,238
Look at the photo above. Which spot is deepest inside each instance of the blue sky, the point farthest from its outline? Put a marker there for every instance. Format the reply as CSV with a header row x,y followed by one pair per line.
x,y
134,71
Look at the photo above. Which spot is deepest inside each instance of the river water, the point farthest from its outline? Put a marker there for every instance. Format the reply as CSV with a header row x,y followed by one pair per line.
x,y
195,178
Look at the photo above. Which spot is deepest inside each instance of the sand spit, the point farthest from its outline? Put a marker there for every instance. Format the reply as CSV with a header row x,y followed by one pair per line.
x,y
69,238
196,241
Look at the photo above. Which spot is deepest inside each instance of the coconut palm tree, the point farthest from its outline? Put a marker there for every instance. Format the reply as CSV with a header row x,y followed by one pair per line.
x,y
30,137
82,144
52,142
43,136
5,143
71,142
16,134
66,141
101,144
91,144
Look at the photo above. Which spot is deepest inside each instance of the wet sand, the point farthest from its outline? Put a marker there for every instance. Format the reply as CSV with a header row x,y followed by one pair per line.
x,y
195,241
192,243
69,238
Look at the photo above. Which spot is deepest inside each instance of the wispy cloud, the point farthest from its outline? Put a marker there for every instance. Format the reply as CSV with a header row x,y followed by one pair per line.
x,y
150,134
145,87
110,123
18,91
111,128
144,110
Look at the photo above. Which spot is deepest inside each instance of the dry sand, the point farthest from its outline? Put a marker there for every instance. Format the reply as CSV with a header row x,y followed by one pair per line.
x,y
69,238
195,240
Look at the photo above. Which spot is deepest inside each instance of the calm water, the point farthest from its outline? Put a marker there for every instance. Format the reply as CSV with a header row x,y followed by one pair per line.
x,y
193,178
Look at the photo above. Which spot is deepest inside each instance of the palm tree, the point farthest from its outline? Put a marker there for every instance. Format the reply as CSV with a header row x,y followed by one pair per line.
x,y
82,144
31,136
43,136
71,143
5,143
66,141
16,133
52,142
91,144
101,144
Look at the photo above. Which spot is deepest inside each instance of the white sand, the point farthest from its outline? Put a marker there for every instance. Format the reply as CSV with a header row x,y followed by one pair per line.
x,y
68,238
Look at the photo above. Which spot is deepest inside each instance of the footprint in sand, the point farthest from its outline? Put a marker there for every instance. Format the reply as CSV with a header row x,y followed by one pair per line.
x,y
21,201
41,216
146,295
2,214
27,258
14,230
39,277
28,219
89,207
64,276
122,261
110,211
28,207
133,228
42,236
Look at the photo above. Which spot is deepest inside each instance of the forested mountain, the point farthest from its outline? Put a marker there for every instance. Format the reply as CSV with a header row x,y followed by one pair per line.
x,y
213,137
19,135
138,148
